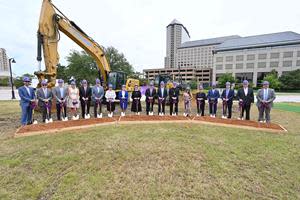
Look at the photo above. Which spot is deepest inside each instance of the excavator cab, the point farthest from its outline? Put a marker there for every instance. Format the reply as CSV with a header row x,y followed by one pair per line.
x,y
117,79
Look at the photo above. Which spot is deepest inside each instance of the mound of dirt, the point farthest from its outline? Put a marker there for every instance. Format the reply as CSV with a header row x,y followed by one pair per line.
x,y
85,123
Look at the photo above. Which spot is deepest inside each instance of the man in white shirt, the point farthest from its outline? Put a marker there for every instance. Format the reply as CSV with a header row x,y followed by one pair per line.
x,y
265,98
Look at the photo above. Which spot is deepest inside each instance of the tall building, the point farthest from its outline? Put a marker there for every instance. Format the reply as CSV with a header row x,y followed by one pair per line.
x,y
176,35
4,66
253,57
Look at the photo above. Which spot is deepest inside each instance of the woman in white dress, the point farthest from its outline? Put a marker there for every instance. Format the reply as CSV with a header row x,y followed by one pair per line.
x,y
73,100
110,96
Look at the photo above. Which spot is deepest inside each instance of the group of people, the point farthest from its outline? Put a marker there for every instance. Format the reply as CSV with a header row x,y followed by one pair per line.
x,y
72,98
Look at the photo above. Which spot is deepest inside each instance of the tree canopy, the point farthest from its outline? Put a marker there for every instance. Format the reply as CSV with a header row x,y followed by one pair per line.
x,y
82,66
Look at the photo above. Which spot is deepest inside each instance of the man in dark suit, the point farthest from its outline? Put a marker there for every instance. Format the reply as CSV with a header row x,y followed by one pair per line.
x,y
60,93
44,96
150,97
162,94
245,97
227,98
174,99
27,99
85,96
213,96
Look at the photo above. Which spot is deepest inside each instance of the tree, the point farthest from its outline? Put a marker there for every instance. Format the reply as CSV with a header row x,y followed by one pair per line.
x,y
225,78
273,80
83,66
118,62
18,82
62,72
290,80
193,84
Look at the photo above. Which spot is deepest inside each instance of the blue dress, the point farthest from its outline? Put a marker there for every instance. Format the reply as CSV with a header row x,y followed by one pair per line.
x,y
123,100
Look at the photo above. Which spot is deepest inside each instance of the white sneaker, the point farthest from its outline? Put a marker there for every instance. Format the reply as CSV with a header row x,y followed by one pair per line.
x,y
184,114
197,115
211,115
123,114
50,120
151,113
35,122
77,117
73,118
46,121
162,114
239,118
261,121
66,119
138,113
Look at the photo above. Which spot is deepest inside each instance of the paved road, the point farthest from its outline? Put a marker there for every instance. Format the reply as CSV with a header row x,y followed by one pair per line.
x,y
5,94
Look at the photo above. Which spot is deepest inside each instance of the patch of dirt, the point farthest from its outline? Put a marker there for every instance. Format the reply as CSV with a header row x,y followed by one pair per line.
x,y
153,118
59,125
236,122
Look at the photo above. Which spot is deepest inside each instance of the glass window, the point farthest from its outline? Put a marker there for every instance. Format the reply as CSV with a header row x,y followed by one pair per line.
x,y
251,57
250,65
239,66
219,67
229,58
274,64
298,53
275,55
261,65
262,56
288,54
287,63
228,66
298,63
239,57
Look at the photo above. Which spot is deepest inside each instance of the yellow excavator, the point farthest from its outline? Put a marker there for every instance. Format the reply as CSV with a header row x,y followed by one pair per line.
x,y
50,25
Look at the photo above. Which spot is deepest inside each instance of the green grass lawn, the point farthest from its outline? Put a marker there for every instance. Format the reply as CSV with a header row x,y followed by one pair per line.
x,y
162,161
292,107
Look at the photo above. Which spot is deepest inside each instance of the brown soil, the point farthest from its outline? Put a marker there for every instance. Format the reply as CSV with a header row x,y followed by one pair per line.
x,y
59,125
62,125
153,118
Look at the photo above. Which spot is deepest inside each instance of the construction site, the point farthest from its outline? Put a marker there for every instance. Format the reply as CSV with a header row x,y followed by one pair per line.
x,y
123,140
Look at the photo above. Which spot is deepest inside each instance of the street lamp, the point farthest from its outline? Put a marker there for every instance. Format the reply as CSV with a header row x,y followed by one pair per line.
x,y
11,60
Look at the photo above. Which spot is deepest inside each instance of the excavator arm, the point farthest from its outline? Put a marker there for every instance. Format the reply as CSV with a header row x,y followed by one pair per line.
x,y
50,23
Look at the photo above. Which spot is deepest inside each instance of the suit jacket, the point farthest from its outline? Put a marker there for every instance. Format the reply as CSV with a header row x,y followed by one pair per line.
x,y
85,94
213,95
25,98
147,94
57,94
270,98
173,92
162,95
41,96
96,94
229,97
246,99
120,95
201,95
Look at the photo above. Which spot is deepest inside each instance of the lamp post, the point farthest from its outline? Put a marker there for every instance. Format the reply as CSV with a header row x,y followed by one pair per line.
x,y
11,60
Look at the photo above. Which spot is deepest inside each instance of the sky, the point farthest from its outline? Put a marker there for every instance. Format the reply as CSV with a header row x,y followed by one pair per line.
x,y
137,28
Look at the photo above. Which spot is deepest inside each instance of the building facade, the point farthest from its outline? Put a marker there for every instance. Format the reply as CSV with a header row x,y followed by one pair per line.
x,y
4,65
248,58
253,57
185,74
